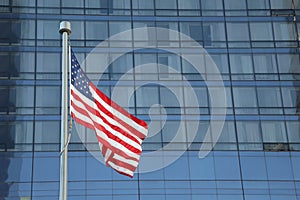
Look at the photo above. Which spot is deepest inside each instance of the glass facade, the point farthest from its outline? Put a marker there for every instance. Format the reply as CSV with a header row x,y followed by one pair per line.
x,y
255,46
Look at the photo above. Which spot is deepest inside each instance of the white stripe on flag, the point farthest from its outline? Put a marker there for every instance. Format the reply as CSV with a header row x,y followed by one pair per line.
x,y
115,112
93,118
109,119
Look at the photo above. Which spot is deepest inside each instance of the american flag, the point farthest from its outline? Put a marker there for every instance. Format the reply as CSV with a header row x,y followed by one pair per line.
x,y
119,133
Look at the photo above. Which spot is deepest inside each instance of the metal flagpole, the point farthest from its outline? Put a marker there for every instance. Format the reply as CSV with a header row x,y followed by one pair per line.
x,y
65,30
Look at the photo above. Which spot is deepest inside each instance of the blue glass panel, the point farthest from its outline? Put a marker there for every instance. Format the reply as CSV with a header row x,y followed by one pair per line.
x,y
257,197
231,197
46,167
283,197
282,188
279,167
210,197
128,187
296,167
177,197
97,170
258,4
253,168
99,197
201,169
77,163
15,167
151,197
180,165
157,187
99,188
227,167
45,190
256,187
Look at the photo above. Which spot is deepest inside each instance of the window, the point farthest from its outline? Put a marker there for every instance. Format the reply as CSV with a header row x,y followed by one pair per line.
x,y
47,135
249,135
212,7
48,99
235,7
269,97
273,132
213,34
245,100
261,34
166,7
238,34
281,4
284,31
265,63
143,7
241,64
189,7
227,140
258,4
97,31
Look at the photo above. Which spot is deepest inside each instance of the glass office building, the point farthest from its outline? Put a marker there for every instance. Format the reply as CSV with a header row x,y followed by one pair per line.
x,y
255,46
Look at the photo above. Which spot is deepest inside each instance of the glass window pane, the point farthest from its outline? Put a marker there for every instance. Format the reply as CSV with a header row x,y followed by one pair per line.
x,y
121,4
48,96
147,96
97,30
258,4
47,132
261,31
143,7
188,4
118,27
253,168
143,4
169,4
227,139
241,63
22,96
289,63
227,167
47,3
291,99
212,4
281,4
213,34
269,97
265,63
238,31
278,164
44,161
171,96
244,97
192,29
73,3
45,29
273,131
284,31
48,62
249,135
293,129
235,4
122,64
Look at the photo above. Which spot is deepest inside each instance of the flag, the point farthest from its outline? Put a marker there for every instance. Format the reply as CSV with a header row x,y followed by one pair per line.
x,y
119,133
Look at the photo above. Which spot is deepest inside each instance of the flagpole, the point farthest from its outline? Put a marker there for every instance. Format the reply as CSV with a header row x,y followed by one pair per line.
x,y
65,30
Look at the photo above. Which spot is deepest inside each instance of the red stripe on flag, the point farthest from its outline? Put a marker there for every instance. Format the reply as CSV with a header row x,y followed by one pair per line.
x,y
117,107
97,113
103,129
101,140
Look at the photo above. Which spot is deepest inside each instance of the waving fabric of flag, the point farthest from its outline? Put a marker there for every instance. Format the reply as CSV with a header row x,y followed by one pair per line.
x,y
119,133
